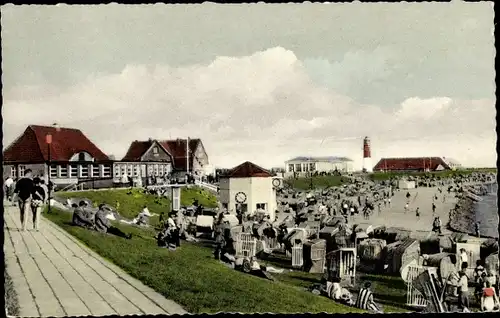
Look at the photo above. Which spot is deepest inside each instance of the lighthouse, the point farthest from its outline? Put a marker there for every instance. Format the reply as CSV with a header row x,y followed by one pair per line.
x,y
367,155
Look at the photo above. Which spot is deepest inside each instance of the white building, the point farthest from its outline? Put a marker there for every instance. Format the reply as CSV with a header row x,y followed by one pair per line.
x,y
304,165
249,186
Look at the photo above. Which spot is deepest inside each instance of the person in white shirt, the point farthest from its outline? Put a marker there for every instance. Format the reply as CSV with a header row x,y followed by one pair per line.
x,y
8,188
463,289
464,259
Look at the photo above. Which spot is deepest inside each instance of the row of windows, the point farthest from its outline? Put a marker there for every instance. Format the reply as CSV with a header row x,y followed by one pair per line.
x,y
70,171
80,171
299,167
142,170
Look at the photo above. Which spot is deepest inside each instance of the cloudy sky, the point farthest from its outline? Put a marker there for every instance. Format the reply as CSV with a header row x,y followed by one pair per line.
x,y
258,82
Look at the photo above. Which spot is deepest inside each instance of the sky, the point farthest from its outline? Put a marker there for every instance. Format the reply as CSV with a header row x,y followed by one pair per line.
x,y
263,83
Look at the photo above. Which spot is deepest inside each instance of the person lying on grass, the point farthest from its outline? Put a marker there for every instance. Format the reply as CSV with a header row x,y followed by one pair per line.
x,y
81,217
103,225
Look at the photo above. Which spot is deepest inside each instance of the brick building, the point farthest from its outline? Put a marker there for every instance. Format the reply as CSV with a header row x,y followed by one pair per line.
x,y
157,158
73,157
411,164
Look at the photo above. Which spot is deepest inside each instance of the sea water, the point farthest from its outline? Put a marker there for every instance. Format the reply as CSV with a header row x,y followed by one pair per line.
x,y
487,213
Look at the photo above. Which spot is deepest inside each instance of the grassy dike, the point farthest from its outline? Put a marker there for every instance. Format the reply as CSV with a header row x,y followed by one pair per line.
x,y
191,277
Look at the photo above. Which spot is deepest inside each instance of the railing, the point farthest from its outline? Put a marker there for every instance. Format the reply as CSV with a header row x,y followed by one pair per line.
x,y
205,185
414,298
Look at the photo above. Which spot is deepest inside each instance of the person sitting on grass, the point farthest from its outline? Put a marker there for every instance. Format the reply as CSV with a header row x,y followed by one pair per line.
x,y
81,217
103,225
365,299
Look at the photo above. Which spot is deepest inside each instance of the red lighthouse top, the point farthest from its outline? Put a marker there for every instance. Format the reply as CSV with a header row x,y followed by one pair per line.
x,y
366,148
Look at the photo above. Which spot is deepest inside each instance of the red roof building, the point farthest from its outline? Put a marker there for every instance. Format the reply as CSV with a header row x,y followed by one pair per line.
x,y
248,170
248,188
72,155
156,158
411,164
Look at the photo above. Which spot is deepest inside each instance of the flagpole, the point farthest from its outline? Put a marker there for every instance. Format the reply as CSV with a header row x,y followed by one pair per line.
x,y
187,155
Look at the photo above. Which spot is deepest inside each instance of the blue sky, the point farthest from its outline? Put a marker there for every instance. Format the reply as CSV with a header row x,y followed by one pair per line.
x,y
417,78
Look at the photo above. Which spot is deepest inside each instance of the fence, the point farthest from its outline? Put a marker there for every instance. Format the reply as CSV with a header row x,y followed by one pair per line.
x,y
414,298
246,245
297,256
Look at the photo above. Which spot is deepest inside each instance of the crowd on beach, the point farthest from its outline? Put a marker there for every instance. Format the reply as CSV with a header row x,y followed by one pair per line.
x,y
346,201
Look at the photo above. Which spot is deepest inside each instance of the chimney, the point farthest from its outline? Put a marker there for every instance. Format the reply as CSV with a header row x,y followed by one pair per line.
x,y
56,126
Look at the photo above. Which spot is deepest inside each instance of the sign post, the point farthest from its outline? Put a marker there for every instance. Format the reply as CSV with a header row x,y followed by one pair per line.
x,y
48,140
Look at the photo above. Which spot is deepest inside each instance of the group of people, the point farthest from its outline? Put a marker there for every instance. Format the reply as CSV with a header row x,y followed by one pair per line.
x,y
31,194
85,217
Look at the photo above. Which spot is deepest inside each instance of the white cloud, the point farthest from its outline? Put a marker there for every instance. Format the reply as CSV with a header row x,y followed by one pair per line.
x,y
264,108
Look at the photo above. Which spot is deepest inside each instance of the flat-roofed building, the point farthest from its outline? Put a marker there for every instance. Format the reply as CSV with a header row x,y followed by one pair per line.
x,y
301,166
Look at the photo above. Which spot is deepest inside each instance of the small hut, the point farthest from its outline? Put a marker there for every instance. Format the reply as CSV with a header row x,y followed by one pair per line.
x,y
399,253
295,237
444,262
337,237
314,253
341,264
370,250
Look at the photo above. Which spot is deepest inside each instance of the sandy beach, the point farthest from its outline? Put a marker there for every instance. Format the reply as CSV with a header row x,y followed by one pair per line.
x,y
395,215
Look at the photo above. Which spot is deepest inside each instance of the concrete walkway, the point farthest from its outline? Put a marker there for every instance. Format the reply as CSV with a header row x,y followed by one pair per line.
x,y
55,275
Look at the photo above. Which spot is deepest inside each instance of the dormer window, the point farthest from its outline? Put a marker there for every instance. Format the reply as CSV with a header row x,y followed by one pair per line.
x,y
81,156
155,151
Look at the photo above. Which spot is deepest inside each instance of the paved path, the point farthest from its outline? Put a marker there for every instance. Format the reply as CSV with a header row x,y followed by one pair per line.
x,y
55,275
395,215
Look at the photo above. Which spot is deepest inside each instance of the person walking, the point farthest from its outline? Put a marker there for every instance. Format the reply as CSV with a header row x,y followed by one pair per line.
x,y
476,228
24,191
433,208
38,199
417,213
9,183
463,286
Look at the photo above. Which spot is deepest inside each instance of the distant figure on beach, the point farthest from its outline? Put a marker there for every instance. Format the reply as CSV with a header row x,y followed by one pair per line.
x,y
433,208
417,213
476,228
406,207
436,225
408,195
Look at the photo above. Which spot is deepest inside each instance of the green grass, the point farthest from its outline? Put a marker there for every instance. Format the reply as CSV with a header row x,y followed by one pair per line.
x,y
11,299
318,182
191,277
132,204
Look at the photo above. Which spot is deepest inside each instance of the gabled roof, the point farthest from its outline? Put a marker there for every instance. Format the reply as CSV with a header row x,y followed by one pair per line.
x,y
31,145
176,148
248,170
407,164
136,150
321,159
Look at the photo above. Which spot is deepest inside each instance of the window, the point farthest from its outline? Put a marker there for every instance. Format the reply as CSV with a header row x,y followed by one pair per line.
x,y
290,168
136,170
73,171
96,171
53,171
298,167
84,171
129,170
161,170
261,206
81,156
13,172
306,167
156,169
150,170
167,169
155,151
117,170
63,171
312,166
123,170
21,171
106,171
